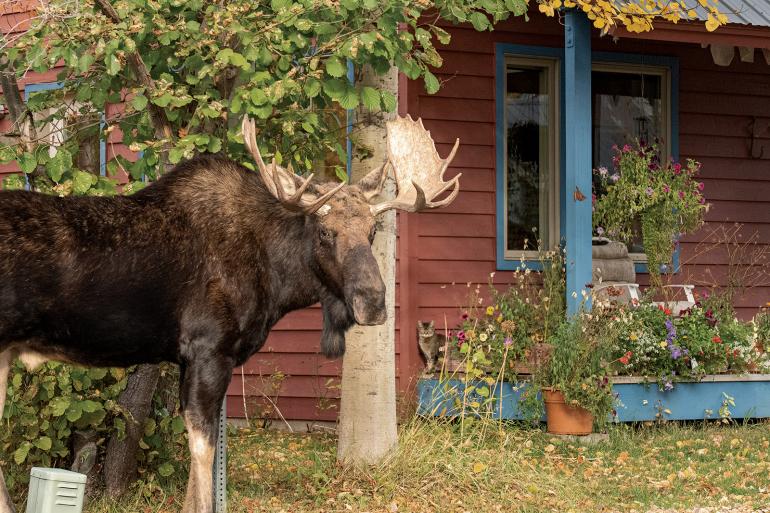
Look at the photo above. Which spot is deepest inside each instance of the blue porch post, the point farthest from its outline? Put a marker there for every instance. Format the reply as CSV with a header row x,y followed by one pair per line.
x,y
577,155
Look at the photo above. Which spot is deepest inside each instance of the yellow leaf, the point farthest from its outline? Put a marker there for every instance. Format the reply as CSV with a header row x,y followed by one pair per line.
x,y
692,14
599,23
722,18
549,448
622,457
711,24
546,9
479,467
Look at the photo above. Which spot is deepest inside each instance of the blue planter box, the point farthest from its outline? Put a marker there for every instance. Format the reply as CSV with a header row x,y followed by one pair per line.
x,y
639,401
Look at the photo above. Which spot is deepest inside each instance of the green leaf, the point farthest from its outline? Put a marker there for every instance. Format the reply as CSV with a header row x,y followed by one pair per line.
x,y
139,102
59,164
312,87
238,60
431,83
21,453
82,181
113,64
224,55
389,101
258,97
149,427
44,443
349,99
335,88
370,97
166,469
479,20
27,162
336,66
177,425
215,145
175,155
163,100
74,412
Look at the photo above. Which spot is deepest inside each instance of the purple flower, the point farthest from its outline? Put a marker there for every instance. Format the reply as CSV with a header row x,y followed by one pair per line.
x,y
508,342
602,171
615,177
649,191
461,336
676,352
668,386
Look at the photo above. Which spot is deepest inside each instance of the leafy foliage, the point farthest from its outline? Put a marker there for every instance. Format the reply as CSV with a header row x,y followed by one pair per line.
x,y
639,16
46,407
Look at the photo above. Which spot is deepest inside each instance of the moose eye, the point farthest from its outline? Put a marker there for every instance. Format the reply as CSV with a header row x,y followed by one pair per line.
x,y
372,233
327,236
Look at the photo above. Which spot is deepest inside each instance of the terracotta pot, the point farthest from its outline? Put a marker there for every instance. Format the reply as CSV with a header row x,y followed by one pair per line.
x,y
564,419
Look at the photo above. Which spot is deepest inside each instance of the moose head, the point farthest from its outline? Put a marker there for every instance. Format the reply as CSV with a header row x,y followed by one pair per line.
x,y
342,219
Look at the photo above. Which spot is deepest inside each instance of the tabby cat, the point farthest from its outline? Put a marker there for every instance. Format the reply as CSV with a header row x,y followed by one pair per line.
x,y
431,344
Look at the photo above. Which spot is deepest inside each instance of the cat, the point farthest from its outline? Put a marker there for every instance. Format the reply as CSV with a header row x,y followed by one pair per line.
x,y
431,344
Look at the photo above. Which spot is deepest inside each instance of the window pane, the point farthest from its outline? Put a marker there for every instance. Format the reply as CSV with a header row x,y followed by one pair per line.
x,y
527,118
626,107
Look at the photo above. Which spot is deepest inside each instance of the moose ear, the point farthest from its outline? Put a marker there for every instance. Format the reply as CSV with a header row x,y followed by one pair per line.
x,y
371,184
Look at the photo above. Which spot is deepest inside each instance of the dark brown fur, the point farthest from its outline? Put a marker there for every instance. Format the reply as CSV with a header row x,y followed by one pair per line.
x,y
194,269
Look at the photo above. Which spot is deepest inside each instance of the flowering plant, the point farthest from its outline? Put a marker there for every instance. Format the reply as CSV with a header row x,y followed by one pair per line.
x,y
579,367
665,198
650,341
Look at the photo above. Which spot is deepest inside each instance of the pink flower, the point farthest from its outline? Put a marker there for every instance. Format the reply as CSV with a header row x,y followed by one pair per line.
x,y
700,186
508,342
626,148
681,194
649,191
677,168
666,188
615,177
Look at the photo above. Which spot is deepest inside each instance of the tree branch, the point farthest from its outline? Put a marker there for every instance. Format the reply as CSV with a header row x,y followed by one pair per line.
x,y
21,117
160,122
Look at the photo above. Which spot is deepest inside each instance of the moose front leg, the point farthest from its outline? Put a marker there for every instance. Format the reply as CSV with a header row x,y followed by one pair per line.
x,y
204,383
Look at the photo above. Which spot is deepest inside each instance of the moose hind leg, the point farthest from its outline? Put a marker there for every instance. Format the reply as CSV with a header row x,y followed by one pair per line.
x,y
204,384
6,358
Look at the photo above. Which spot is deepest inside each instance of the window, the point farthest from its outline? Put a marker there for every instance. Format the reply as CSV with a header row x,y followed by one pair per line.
x,y
530,156
629,103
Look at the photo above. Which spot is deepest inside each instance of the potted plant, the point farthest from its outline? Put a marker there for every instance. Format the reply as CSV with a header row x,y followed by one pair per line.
x,y
574,382
664,200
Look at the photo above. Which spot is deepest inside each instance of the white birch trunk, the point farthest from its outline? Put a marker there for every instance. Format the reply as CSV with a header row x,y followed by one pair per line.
x,y
367,425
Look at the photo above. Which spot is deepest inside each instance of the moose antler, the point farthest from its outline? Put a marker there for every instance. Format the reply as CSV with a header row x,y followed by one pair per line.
x,y
284,184
418,168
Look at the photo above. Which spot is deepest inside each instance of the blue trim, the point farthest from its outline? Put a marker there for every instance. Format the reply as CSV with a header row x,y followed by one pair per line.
x,y
637,401
503,50
351,114
50,86
577,154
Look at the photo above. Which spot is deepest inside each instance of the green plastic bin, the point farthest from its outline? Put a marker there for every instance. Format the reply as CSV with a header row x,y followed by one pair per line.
x,y
53,490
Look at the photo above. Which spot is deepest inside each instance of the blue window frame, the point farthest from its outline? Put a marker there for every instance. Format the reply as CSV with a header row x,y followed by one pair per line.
x,y
48,86
607,61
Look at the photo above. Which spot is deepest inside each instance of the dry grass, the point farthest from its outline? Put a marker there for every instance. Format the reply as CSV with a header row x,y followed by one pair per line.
x,y
492,469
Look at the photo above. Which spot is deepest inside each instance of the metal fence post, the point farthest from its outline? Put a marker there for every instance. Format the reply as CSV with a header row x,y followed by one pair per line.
x,y
220,463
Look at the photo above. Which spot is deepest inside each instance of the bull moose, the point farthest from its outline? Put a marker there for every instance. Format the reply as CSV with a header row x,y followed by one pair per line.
x,y
197,268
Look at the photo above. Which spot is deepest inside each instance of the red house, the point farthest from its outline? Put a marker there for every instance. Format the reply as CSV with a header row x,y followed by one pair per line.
x,y
537,104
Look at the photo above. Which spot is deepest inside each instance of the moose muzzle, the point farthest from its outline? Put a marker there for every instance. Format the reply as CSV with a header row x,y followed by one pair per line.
x,y
364,288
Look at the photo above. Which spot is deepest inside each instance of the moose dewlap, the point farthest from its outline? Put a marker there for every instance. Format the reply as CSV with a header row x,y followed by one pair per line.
x,y
52,490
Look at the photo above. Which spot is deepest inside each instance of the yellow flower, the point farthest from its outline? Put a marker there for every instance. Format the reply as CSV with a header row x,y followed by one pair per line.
x,y
633,336
490,310
663,343
500,318
483,337
584,386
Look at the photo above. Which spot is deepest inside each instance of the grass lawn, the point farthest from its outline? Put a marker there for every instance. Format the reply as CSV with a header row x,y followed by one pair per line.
x,y
488,469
